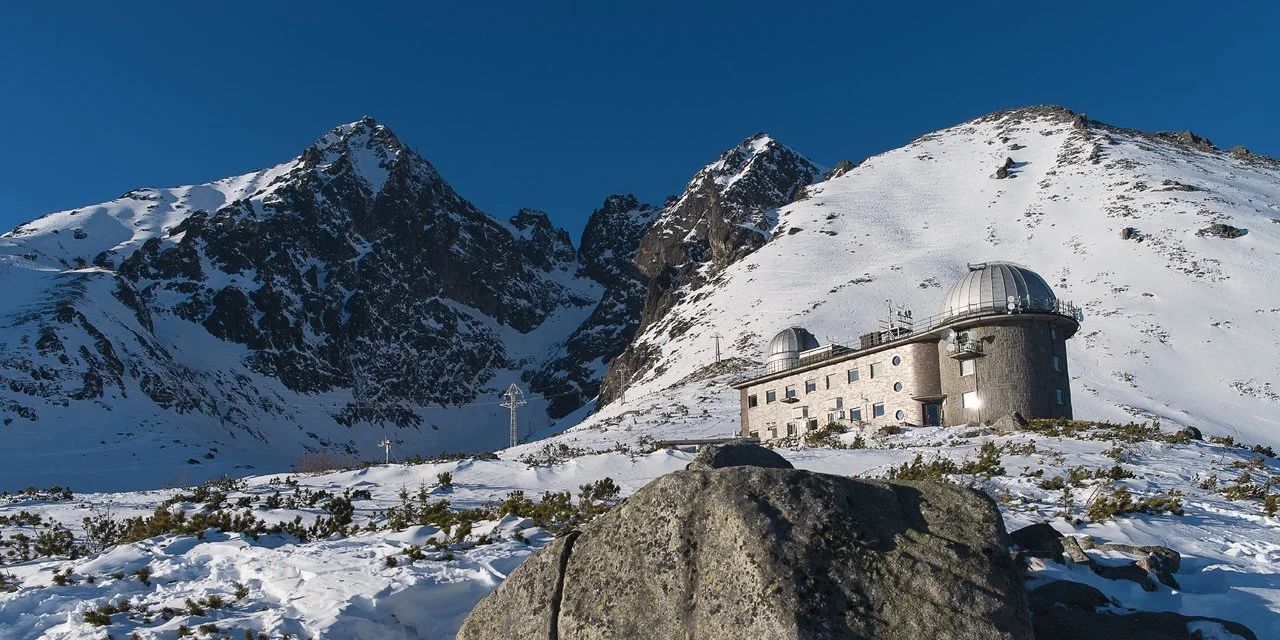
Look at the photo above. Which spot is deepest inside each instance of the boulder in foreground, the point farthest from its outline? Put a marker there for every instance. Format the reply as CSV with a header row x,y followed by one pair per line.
x,y
751,552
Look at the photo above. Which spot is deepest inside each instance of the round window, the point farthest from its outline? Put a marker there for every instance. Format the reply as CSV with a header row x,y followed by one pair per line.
x,y
897,360
897,386
900,414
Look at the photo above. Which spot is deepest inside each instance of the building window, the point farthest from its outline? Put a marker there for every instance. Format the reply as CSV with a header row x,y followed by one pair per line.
x,y
752,401
853,375
877,369
855,414
900,414
971,400
773,430
810,386
770,396
813,423
832,417
832,380
791,428
877,410
791,391
1057,363
755,434
1053,333
1059,396
897,360
897,386
967,367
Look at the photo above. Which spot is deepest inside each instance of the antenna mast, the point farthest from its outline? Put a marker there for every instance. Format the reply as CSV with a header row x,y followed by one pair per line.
x,y
514,398
717,336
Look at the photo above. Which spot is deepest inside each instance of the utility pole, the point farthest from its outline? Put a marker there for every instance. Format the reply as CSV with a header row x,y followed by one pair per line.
x,y
622,382
514,398
717,336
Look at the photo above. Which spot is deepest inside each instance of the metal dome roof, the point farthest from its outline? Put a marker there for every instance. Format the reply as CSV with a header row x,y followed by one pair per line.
x,y
988,286
784,349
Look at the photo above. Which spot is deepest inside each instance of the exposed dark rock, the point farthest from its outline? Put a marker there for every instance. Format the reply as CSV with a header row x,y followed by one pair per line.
x,y
726,212
841,168
1174,185
1039,540
1190,432
1220,230
1065,594
607,255
1130,571
1064,624
737,454
749,552
1188,139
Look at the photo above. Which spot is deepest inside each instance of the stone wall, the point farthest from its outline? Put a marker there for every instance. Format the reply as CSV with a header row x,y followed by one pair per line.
x,y
1015,372
916,371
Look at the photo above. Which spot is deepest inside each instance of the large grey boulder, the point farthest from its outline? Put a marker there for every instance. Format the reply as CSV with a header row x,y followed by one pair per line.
x,y
751,552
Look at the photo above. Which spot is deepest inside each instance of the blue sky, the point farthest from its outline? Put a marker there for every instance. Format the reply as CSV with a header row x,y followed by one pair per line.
x,y
557,105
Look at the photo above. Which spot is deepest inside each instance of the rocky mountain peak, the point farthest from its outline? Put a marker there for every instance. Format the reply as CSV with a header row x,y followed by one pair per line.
x,y
365,148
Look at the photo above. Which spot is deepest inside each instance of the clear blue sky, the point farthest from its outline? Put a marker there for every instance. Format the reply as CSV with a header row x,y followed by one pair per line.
x,y
557,105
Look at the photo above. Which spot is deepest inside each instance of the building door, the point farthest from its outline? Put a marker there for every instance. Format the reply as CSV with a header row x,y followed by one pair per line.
x,y
933,415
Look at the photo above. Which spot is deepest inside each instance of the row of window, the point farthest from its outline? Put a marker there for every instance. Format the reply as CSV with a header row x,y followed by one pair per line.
x,y
829,382
968,367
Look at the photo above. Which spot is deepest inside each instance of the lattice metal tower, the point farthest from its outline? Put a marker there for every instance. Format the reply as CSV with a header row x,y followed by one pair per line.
x,y
514,398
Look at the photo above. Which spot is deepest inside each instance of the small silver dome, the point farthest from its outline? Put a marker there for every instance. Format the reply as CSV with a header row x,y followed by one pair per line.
x,y
784,350
988,287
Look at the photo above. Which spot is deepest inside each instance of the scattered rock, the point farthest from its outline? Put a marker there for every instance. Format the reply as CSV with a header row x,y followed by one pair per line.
x,y
1221,230
1039,541
737,454
750,552
1163,562
1174,185
1130,233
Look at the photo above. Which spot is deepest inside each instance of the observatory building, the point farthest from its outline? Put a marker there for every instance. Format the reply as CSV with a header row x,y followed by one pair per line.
x,y
997,347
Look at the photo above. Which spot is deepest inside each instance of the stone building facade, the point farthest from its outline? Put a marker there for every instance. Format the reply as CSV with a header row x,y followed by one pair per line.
x,y
997,348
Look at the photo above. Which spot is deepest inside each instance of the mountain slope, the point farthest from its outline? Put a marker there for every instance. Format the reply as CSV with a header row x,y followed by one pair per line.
x,y
1181,319
309,307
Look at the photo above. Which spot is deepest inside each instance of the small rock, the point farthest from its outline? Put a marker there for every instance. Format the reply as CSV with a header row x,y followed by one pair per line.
x,y
1220,230
1190,432
1131,572
744,454
1064,624
1065,594
1039,541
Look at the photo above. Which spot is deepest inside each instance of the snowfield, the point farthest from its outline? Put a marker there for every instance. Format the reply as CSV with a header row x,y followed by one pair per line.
x,y
343,586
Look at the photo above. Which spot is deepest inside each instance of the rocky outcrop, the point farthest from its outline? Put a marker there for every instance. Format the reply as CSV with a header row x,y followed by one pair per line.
x,y
750,552
606,256
727,211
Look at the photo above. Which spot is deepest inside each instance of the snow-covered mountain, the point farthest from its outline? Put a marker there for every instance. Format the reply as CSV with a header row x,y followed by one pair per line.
x,y
1168,244
351,294
317,306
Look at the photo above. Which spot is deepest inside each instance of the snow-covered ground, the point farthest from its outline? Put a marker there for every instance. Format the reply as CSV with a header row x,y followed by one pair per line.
x,y
343,586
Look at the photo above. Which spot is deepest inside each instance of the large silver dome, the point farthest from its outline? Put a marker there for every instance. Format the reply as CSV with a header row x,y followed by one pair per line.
x,y
784,350
988,288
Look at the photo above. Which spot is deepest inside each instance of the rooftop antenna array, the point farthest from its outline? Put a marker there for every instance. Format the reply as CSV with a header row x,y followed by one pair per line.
x,y
898,321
